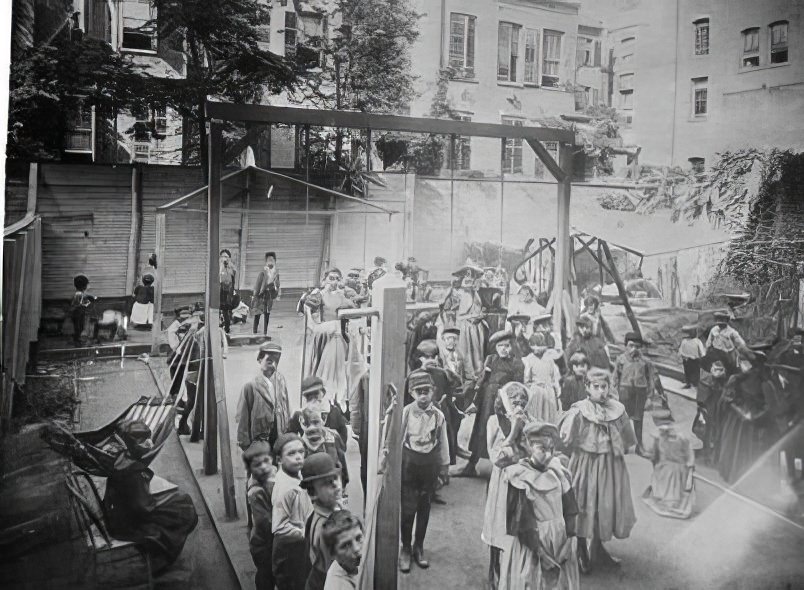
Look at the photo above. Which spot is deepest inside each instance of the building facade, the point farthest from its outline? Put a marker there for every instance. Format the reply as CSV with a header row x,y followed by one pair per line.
x,y
514,62
153,135
696,77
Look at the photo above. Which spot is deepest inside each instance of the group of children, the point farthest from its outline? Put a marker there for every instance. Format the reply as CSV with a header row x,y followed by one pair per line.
x,y
301,538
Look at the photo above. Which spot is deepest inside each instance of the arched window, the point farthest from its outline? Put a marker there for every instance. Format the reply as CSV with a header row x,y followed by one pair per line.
x,y
701,36
777,33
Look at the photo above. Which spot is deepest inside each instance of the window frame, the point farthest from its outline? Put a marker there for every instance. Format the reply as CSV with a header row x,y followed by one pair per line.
x,y
628,92
512,49
461,159
587,51
785,48
543,78
147,30
752,54
698,85
295,32
699,47
465,70
512,160
76,127
531,66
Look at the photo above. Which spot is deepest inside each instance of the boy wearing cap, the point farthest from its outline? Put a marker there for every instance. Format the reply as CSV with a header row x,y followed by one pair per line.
x,y
343,536
266,290
444,385
314,395
317,438
541,517
500,368
263,411
725,344
634,381
691,352
322,480
258,460
425,457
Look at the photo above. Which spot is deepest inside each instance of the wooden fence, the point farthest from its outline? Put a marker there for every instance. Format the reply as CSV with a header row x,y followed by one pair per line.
x,y
22,305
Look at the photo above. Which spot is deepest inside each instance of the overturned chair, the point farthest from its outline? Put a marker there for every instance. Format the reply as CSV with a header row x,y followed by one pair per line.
x,y
140,525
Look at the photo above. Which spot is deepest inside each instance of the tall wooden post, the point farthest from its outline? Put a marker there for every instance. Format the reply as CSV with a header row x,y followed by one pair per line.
x,y
387,367
132,261
563,249
156,329
212,301
33,188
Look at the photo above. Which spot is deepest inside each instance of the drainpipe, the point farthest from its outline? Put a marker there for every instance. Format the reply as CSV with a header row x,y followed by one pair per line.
x,y
441,37
675,87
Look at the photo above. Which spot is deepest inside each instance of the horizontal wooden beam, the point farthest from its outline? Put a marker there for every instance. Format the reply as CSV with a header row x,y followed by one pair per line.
x,y
357,120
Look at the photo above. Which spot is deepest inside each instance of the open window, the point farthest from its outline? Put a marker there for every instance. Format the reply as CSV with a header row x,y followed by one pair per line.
x,y
551,62
778,42
507,51
462,45
701,36
750,57
139,27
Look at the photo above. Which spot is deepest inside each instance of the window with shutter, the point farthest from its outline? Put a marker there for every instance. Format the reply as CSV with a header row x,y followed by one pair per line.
x,y
551,62
462,45
700,97
531,56
701,36
507,51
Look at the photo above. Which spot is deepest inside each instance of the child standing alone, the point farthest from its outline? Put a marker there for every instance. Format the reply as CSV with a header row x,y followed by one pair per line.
x,y
425,457
542,378
573,388
691,352
259,463
598,433
633,380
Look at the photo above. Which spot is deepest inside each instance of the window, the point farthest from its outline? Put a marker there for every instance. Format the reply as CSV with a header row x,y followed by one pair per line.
x,y
139,27
512,162
594,96
701,36
627,82
778,42
291,34
507,51
585,53
551,49
700,96
539,169
310,40
597,61
698,164
462,45
750,48
531,56
626,99
264,29
80,130
463,149
160,121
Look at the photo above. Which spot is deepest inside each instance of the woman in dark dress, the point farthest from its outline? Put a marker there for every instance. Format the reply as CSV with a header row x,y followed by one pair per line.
x,y
747,419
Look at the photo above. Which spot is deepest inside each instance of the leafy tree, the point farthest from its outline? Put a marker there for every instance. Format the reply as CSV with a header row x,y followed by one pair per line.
x,y
757,195
224,60
49,83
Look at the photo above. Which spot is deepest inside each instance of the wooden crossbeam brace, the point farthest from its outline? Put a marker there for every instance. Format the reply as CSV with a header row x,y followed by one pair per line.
x,y
547,159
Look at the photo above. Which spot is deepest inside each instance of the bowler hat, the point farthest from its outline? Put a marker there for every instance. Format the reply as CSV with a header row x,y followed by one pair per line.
x,y
501,336
428,347
311,384
454,331
419,378
541,429
318,466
